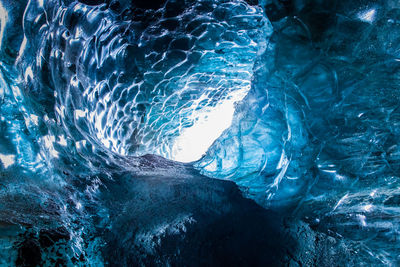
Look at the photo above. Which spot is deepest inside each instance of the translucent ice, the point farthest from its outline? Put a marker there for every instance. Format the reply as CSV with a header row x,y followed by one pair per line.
x,y
115,115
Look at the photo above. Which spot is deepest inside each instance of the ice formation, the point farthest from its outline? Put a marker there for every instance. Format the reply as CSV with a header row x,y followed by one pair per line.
x,y
208,132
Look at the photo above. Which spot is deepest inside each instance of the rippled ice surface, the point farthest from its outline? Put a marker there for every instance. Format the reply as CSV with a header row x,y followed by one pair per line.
x,y
115,117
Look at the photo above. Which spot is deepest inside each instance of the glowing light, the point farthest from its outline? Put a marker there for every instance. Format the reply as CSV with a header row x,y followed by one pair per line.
x,y
80,144
3,21
79,114
194,141
62,141
367,207
362,219
35,119
367,16
373,193
28,74
48,141
340,202
7,160
22,48
32,119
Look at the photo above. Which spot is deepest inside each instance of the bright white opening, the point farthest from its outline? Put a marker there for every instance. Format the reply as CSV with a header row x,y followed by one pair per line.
x,y
193,142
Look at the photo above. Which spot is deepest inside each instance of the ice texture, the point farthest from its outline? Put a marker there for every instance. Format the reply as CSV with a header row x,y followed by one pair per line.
x,y
319,127
133,79
97,99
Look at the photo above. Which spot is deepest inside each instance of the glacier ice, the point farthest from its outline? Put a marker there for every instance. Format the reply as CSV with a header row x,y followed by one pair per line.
x,y
115,117
136,85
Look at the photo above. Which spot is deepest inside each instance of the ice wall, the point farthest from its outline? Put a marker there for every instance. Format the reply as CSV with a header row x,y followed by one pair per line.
x,y
298,101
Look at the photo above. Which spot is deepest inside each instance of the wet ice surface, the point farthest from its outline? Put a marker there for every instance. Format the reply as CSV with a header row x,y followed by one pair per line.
x,y
292,106
135,80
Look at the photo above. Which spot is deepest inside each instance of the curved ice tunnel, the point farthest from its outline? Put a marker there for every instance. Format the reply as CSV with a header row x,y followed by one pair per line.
x,y
315,125
183,70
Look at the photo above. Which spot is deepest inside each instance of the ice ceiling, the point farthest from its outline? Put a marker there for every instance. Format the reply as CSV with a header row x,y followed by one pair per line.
x,y
115,115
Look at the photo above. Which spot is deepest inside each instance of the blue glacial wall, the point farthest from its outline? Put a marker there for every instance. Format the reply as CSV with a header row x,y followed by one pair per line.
x,y
212,132
320,125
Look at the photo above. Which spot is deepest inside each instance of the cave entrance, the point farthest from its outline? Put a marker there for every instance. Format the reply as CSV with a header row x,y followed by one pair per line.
x,y
193,142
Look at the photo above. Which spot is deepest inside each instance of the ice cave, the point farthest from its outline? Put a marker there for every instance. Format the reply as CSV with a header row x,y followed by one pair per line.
x,y
199,133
